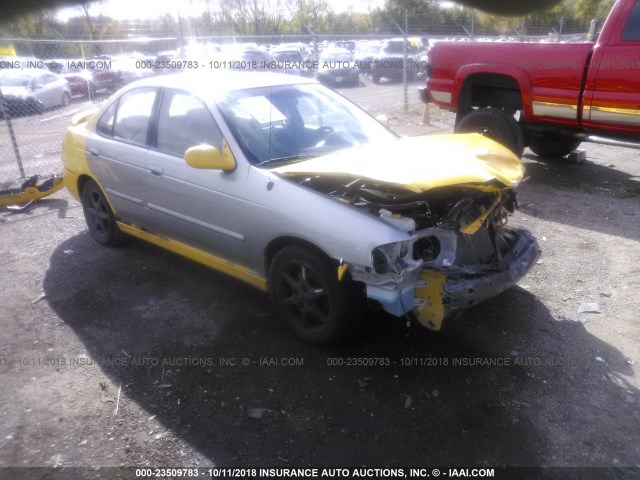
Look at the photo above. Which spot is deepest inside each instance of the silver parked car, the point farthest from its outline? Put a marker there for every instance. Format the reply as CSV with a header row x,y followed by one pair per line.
x,y
31,91
283,183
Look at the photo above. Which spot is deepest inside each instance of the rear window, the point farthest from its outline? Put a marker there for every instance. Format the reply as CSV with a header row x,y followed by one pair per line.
x,y
631,31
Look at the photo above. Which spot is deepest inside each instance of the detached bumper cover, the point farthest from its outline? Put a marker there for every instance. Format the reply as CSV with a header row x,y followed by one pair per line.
x,y
462,294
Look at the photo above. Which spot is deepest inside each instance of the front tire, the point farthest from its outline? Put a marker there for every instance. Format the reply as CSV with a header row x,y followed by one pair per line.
x,y
307,295
553,148
494,124
66,99
99,216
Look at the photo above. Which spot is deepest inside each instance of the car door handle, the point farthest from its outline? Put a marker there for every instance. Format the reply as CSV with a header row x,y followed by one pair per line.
x,y
157,171
94,153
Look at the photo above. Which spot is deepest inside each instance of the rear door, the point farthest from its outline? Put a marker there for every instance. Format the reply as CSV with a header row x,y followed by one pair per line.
x,y
612,94
117,152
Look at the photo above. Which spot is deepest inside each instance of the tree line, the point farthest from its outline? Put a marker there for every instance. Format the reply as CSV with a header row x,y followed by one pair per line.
x,y
303,17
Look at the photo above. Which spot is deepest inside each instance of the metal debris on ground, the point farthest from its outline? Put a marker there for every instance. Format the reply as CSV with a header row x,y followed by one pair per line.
x,y
589,308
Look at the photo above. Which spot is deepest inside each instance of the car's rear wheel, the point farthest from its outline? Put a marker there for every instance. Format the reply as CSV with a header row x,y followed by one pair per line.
x,y
495,124
99,216
307,294
553,147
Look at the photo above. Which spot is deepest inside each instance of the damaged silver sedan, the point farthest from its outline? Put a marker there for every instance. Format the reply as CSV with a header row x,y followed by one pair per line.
x,y
284,184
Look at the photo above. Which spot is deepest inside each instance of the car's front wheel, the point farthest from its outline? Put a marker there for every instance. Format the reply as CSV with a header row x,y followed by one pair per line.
x,y
66,99
307,294
99,216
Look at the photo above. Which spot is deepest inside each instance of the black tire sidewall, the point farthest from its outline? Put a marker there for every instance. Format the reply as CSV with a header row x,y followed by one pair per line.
x,y
343,298
553,148
112,237
504,128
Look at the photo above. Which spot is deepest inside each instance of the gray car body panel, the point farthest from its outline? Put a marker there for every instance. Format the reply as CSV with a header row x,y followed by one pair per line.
x,y
237,214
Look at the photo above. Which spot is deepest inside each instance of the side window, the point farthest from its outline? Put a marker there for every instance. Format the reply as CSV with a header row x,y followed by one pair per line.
x,y
631,31
133,113
184,122
49,78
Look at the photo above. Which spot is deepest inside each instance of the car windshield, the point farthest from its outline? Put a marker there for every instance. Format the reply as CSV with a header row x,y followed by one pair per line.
x,y
14,80
292,122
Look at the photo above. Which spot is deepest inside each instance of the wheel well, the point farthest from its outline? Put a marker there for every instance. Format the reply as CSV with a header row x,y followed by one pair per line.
x,y
279,243
82,182
489,90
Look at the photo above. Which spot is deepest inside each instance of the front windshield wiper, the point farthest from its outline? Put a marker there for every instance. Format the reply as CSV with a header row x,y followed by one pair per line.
x,y
289,159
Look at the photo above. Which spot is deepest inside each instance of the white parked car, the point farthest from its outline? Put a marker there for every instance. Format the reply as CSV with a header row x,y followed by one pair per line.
x,y
28,92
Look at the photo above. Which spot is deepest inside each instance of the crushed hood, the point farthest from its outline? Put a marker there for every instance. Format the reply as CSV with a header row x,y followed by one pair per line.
x,y
419,163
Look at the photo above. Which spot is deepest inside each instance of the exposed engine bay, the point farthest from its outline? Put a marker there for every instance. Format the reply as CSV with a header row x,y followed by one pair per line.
x,y
445,207
476,211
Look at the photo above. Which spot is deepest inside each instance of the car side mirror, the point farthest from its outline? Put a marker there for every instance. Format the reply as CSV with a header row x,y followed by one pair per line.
x,y
208,157
383,120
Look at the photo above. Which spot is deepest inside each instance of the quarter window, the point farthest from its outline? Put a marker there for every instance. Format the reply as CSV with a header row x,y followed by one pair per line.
x,y
128,118
105,124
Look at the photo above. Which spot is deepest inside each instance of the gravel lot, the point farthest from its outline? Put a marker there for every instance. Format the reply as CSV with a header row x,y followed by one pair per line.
x,y
136,357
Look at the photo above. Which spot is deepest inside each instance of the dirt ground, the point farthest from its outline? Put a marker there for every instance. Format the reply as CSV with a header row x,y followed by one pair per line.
x,y
136,357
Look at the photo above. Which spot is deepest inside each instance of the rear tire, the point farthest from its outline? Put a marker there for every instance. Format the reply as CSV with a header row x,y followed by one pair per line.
x,y
553,148
99,217
307,295
494,124
66,99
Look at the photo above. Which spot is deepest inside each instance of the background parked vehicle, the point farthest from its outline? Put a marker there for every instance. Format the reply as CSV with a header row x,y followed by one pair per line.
x,y
365,53
389,62
28,92
291,61
85,82
338,66
564,93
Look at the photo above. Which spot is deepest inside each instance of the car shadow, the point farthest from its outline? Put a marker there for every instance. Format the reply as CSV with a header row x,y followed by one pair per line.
x,y
614,214
225,376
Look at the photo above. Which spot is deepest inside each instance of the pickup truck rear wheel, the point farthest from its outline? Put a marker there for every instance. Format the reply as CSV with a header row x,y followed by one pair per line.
x,y
494,124
308,296
552,148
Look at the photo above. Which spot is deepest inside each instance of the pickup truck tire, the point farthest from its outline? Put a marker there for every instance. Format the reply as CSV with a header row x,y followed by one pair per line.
x,y
553,148
494,124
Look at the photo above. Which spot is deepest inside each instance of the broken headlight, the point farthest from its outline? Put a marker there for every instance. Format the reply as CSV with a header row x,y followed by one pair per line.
x,y
390,258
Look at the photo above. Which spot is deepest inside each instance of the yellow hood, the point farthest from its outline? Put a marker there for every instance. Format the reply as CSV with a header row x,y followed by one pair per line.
x,y
419,163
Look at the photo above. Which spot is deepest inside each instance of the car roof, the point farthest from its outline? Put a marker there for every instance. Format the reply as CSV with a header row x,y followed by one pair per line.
x,y
29,72
220,80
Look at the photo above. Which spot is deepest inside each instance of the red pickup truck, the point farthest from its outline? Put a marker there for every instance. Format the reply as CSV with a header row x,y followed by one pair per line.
x,y
549,97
